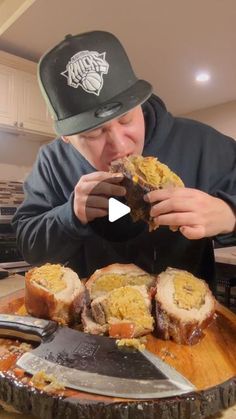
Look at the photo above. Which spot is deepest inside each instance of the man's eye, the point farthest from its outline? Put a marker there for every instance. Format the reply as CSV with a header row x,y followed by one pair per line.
x,y
125,119
94,134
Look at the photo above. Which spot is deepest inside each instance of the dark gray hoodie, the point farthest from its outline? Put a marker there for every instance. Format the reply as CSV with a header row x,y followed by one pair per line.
x,y
48,231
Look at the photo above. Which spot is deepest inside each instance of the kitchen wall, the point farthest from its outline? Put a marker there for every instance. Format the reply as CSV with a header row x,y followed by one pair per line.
x,y
222,117
17,155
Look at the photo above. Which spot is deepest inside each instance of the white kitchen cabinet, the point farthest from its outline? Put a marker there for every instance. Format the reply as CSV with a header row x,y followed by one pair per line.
x,y
22,107
32,112
8,96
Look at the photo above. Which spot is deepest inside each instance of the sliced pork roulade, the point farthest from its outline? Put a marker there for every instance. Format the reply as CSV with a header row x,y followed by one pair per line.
x,y
118,275
184,306
125,310
54,292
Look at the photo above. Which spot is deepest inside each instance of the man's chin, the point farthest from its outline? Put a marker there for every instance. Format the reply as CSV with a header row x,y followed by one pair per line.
x,y
103,168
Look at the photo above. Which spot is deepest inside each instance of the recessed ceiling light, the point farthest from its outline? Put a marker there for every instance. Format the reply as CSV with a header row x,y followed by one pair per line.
x,y
202,77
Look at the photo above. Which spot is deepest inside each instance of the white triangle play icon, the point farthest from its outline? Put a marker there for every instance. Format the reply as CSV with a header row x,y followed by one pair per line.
x,y
116,209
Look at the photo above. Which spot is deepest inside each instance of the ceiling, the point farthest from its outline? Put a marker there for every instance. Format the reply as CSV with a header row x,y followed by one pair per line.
x,y
167,41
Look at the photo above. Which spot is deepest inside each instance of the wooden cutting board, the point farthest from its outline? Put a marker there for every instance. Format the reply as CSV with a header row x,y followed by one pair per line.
x,y
210,365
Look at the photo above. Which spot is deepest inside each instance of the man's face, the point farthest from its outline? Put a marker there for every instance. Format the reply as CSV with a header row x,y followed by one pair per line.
x,y
115,139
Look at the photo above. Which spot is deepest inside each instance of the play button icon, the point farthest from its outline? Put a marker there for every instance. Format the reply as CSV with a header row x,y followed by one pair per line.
x,y
116,209
114,223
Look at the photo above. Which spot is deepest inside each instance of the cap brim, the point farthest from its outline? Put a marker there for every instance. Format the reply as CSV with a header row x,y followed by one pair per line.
x,y
115,107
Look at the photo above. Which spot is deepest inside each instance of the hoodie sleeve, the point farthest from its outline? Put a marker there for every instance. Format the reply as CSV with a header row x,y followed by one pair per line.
x,y
206,160
46,228
224,183
227,239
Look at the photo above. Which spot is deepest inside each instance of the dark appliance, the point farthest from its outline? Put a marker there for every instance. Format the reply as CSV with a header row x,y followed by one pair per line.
x,y
11,260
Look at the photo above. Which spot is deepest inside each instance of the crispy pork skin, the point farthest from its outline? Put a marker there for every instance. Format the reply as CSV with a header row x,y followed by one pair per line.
x,y
115,276
184,306
54,292
142,175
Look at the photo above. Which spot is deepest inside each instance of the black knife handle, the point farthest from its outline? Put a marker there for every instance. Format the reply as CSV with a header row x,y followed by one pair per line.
x,y
3,273
26,327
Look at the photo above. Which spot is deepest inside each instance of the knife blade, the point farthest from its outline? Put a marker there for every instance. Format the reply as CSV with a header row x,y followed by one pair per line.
x,y
12,268
90,363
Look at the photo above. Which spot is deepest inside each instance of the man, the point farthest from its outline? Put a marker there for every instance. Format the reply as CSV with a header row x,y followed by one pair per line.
x,y
103,112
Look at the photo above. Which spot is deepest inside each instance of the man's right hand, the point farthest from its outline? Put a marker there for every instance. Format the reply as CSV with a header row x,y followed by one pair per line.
x,y
92,192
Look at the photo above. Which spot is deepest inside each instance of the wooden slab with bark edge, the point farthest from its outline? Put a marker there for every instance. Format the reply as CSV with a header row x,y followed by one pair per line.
x,y
210,365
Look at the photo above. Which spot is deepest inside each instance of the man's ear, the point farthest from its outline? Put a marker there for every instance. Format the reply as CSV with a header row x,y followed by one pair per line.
x,y
65,138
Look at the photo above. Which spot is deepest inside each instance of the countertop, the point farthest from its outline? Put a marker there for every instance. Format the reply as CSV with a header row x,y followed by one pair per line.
x,y
226,255
15,283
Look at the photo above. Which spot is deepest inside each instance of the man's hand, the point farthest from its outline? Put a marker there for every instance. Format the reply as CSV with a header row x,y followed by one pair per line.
x,y
92,192
196,213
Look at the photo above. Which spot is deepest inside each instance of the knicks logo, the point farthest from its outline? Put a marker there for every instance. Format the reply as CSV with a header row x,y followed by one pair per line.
x,y
86,69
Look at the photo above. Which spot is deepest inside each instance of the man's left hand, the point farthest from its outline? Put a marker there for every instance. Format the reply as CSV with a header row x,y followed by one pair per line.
x,y
196,213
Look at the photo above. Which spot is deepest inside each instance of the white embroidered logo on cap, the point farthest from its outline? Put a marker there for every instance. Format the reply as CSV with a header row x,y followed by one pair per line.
x,y
86,69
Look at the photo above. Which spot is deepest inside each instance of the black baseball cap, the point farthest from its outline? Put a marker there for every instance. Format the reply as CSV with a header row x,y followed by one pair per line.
x,y
87,80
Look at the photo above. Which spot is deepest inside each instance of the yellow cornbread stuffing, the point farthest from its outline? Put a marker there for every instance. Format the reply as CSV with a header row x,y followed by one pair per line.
x,y
46,382
127,303
190,292
156,173
110,282
49,276
135,179
134,343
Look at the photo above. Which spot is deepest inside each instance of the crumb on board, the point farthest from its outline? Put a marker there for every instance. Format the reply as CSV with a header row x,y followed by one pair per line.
x,y
134,343
46,382
164,353
23,347
22,311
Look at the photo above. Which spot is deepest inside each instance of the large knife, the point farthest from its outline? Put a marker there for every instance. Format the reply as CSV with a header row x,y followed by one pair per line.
x,y
93,364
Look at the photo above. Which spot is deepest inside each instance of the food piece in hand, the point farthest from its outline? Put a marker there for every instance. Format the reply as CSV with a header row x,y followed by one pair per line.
x,y
126,310
142,175
115,276
184,306
54,292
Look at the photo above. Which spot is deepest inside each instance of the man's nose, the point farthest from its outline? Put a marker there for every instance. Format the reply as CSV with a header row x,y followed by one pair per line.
x,y
116,138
